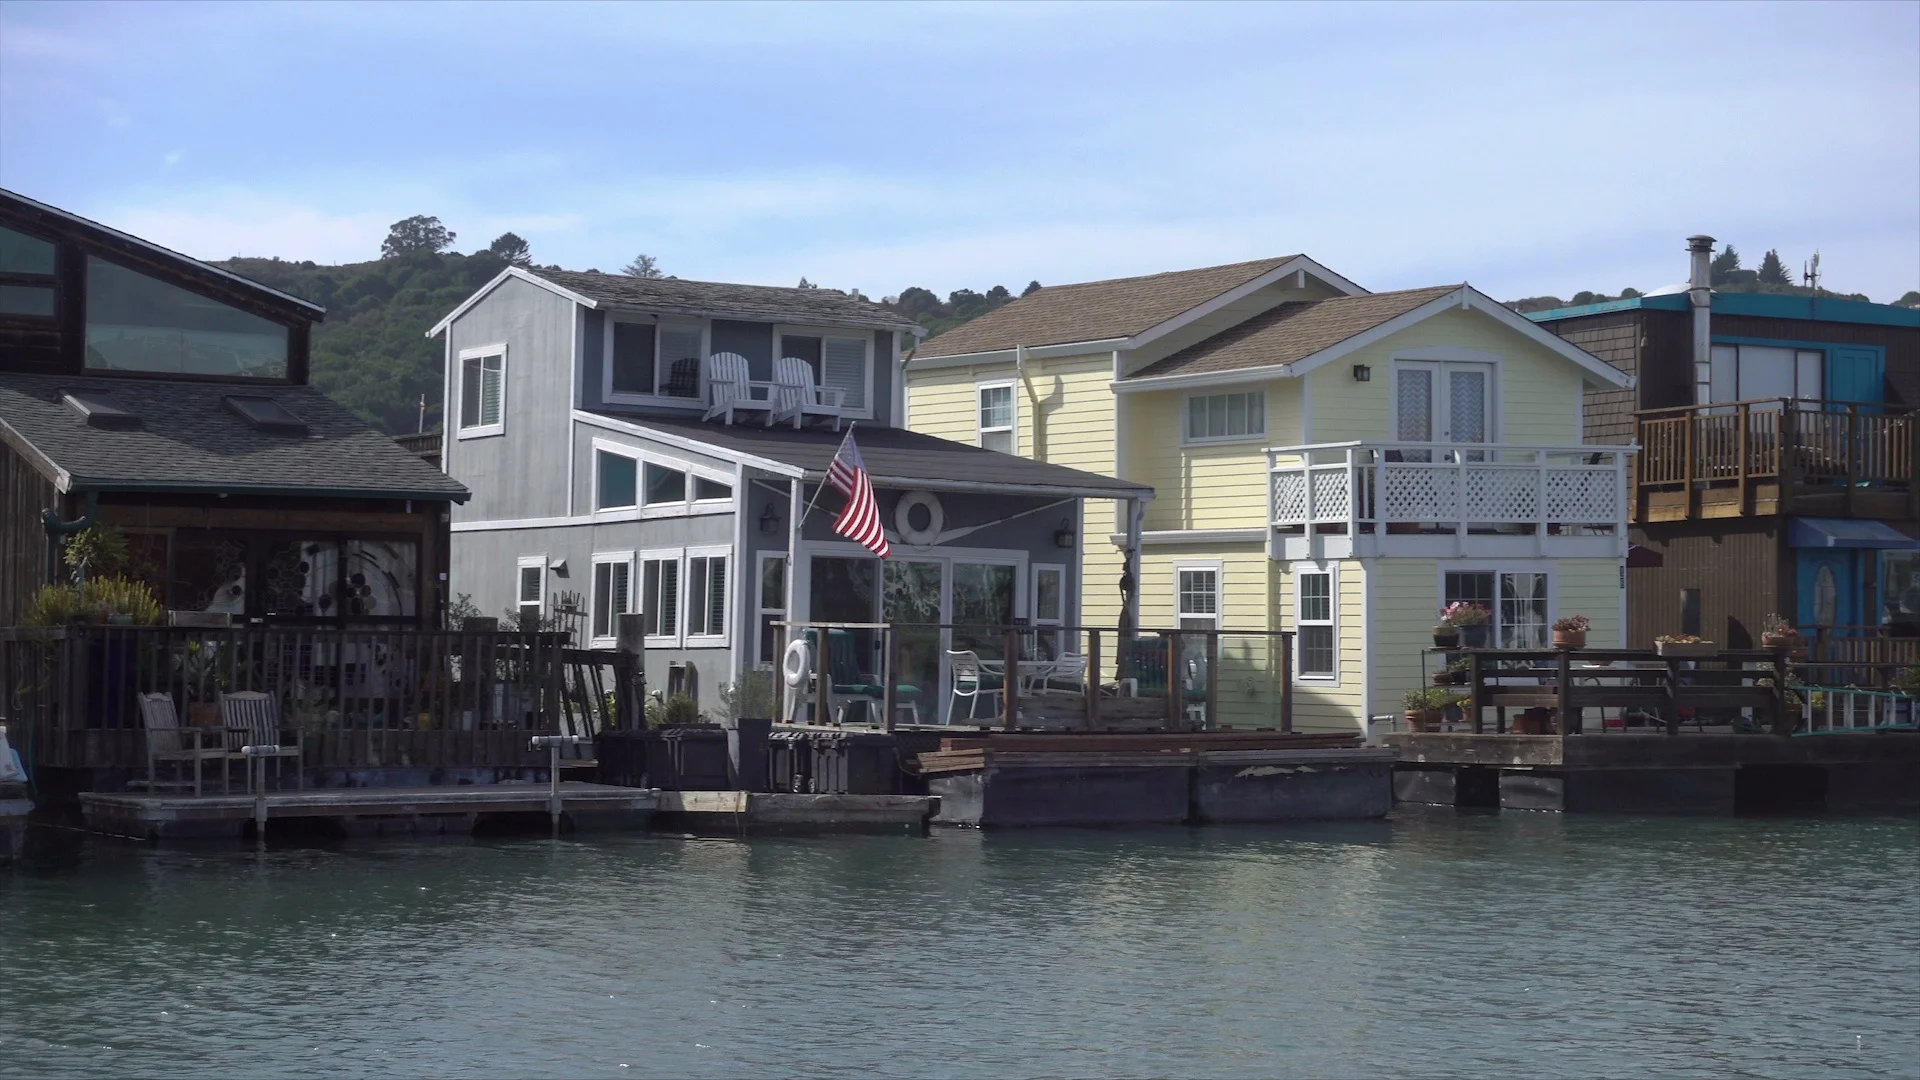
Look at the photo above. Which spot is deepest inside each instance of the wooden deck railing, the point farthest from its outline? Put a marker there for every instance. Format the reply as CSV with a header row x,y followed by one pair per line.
x,y
1792,448
354,698
1625,679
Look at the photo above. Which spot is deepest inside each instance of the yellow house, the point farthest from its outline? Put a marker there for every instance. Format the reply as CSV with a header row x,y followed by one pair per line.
x,y
1325,460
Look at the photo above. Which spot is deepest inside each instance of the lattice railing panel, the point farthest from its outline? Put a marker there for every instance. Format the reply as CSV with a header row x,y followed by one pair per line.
x,y
1418,493
1502,495
1331,495
1289,498
1583,496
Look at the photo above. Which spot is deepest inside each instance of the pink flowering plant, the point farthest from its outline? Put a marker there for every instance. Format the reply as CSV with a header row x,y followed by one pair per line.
x,y
1461,613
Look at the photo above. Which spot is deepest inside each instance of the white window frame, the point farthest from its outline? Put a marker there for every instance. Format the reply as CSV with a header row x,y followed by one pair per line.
x,y
823,332
479,352
980,430
1219,572
1703,388
610,639
1437,360
520,603
677,557
1332,621
760,611
1496,569
655,399
1043,568
642,510
688,638
1187,438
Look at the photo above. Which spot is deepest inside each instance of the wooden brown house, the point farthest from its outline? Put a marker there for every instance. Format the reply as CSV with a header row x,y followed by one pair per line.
x,y
1775,471
166,396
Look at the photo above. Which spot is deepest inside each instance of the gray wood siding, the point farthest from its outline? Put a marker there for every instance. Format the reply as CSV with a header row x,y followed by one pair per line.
x,y
519,474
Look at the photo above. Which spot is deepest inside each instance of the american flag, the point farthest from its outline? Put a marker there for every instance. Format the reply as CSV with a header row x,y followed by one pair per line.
x,y
860,521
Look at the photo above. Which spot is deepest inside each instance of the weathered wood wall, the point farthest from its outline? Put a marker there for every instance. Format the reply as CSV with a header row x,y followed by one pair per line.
x,y
23,542
1736,566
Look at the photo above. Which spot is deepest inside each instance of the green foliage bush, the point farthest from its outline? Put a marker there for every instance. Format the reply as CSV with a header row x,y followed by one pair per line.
x,y
669,712
94,602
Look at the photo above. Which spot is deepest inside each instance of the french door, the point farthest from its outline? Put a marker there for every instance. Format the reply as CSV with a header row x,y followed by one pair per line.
x,y
1442,403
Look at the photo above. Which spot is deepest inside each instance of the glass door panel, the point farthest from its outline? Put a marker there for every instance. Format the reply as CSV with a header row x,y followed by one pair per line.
x,y
982,606
847,591
911,594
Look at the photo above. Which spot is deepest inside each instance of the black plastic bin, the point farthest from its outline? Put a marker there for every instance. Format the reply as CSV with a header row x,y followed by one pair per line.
x,y
622,757
691,757
855,763
790,761
747,753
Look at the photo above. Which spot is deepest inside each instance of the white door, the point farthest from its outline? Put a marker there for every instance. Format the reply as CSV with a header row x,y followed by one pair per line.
x,y
1443,402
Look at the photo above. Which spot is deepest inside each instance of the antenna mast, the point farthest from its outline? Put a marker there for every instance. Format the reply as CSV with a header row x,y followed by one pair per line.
x,y
1810,272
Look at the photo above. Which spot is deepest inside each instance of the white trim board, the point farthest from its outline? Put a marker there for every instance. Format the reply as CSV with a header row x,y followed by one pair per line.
x,y
500,279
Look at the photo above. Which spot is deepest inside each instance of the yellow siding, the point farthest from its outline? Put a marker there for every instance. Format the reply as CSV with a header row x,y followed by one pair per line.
x,y
1591,587
1537,400
1205,486
941,401
1319,706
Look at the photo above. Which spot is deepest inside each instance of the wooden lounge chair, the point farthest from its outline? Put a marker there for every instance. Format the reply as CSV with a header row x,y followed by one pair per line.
x,y
165,738
253,719
797,397
729,388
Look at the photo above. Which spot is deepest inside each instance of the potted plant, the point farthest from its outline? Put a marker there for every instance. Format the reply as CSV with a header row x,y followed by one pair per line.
x,y
1571,632
1444,676
1426,706
1471,621
1458,670
1446,636
1684,645
1778,633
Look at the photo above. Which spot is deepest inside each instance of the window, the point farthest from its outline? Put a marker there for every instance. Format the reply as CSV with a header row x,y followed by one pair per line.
x,y
630,359
619,475
1313,624
138,323
660,597
997,418
26,275
1049,593
483,374
665,485
706,596
1752,372
1226,416
653,360
612,594
773,606
837,361
1198,597
531,595
705,489
681,350
1516,601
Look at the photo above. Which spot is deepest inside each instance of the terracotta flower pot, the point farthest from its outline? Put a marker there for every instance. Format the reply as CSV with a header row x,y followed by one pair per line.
x,y
1569,639
1443,678
1419,720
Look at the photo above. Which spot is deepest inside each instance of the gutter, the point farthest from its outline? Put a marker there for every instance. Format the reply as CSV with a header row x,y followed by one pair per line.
x,y
92,488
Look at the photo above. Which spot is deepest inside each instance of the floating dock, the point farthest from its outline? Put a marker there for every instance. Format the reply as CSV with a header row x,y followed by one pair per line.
x,y
365,811
734,812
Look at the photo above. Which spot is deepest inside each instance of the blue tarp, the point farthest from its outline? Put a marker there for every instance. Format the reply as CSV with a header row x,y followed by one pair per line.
x,y
1845,533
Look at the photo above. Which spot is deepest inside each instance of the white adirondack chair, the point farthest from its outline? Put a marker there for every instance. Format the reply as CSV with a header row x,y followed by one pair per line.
x,y
168,741
729,388
798,396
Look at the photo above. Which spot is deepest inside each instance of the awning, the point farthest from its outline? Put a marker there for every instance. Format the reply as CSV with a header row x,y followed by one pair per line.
x,y
1639,556
1846,533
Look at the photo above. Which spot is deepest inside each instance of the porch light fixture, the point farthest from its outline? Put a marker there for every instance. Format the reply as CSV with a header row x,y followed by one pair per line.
x,y
1362,373
769,520
1064,536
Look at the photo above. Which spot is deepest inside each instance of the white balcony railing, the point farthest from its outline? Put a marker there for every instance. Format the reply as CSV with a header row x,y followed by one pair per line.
x,y
1449,487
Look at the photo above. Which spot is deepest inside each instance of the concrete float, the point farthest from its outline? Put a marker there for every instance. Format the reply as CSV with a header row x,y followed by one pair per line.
x,y
1291,785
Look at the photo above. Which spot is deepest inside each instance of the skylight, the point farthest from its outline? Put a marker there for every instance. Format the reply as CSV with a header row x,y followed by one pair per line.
x,y
101,409
266,414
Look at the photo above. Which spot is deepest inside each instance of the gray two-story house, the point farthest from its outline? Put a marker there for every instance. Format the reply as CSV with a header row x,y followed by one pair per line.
x,y
578,416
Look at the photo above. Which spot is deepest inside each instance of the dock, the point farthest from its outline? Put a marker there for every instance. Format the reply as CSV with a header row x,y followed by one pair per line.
x,y
364,811
735,812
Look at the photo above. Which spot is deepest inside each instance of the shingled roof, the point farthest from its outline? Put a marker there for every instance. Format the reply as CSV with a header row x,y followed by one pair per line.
x,y
1095,310
716,299
190,440
1290,332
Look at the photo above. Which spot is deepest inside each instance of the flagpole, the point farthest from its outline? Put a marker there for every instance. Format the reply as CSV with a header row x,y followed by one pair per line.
x,y
823,483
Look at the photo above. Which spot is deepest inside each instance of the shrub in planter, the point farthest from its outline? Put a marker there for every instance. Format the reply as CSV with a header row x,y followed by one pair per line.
x,y
1424,707
1779,633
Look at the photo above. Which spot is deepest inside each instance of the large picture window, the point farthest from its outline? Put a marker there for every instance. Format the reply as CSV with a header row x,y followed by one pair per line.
x,y
1517,602
138,323
654,360
839,361
1750,372
26,275
619,479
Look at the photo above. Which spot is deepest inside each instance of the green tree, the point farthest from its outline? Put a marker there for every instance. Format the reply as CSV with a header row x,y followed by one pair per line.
x,y
1032,287
1772,270
1912,299
998,295
643,266
805,284
417,233
1723,265
511,248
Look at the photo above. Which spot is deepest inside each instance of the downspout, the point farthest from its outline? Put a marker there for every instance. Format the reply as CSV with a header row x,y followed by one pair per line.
x,y
1700,295
50,520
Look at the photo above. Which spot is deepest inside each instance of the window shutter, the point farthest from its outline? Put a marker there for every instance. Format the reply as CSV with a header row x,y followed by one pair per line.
x,y
717,597
622,572
843,363
490,390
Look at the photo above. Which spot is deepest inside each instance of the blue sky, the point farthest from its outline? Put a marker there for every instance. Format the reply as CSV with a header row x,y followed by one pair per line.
x,y
1527,149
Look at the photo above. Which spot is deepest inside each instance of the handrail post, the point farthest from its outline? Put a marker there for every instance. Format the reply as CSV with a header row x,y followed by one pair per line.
x,y
1851,456
1353,497
1686,468
1460,502
1173,694
1306,477
1010,678
1540,508
1091,680
1286,681
1213,679
1746,448
822,677
1563,691
1474,694
892,678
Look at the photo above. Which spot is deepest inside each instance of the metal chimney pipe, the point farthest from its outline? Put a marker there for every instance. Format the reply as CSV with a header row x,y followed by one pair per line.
x,y
1700,294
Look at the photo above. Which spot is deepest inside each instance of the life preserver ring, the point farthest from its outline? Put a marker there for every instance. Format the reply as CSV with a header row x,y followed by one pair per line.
x,y
797,665
903,518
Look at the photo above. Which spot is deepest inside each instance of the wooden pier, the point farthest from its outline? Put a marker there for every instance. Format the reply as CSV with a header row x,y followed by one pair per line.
x,y
364,811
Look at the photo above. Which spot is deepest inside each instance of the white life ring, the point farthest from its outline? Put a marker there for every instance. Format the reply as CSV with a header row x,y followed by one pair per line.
x,y
797,665
903,518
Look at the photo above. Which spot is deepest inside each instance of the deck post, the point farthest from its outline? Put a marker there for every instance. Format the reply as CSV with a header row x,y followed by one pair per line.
x,y
1213,680
1686,470
1563,690
1010,678
891,678
1286,680
1091,680
822,678
1745,449
1474,696
1174,695
1852,457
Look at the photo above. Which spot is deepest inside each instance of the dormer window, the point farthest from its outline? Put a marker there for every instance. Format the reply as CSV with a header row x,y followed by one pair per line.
x,y
141,324
839,359
647,360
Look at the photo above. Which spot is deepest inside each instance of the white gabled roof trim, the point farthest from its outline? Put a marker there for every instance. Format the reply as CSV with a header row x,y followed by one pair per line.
x,y
502,276
1007,356
1466,297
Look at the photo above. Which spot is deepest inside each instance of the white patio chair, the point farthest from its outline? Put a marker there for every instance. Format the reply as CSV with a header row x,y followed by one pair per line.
x,y
729,388
1066,674
970,681
253,719
164,736
798,397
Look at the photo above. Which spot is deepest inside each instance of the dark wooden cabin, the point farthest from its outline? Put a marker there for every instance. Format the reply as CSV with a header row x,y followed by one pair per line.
x,y
1775,478
166,396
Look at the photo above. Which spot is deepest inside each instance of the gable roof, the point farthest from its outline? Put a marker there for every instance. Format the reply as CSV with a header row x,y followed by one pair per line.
x,y
700,299
1095,310
1297,337
894,457
65,221
190,440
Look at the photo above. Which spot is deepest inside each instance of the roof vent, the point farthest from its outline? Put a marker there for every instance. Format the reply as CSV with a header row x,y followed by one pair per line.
x,y
266,414
101,409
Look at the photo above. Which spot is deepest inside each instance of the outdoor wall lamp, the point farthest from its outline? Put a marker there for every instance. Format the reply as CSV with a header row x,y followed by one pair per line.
x,y
769,520
1362,373
1064,536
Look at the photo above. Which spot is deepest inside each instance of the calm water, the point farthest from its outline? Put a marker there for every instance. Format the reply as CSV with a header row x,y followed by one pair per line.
x,y
1430,945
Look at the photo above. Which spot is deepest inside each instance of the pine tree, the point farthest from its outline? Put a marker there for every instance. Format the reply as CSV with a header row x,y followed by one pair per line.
x,y
1724,265
511,248
1773,271
643,266
1032,287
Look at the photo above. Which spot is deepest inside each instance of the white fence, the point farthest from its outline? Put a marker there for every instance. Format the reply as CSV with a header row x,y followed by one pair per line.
x,y
1434,484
